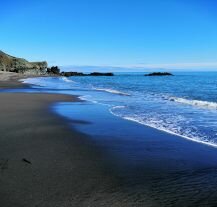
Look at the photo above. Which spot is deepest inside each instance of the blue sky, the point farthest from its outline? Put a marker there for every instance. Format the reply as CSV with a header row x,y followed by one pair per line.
x,y
125,33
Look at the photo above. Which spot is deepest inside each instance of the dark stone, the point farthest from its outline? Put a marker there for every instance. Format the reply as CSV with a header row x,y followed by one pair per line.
x,y
101,74
68,74
53,70
27,161
159,74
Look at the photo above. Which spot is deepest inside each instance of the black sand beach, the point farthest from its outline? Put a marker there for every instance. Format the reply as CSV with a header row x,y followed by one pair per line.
x,y
42,161
93,160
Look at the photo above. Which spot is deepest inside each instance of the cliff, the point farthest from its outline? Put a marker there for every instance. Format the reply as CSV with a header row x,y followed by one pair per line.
x,y
20,65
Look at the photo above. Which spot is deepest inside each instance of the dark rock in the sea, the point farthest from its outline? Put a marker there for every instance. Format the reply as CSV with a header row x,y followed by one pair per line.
x,y
101,74
20,65
53,70
159,74
68,74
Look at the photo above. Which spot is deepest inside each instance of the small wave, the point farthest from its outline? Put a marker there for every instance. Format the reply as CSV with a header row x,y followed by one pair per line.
x,y
198,103
26,80
164,129
87,98
118,107
33,81
113,91
67,80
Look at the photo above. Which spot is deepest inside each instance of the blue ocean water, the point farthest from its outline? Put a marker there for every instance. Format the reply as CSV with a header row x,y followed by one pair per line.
x,y
184,104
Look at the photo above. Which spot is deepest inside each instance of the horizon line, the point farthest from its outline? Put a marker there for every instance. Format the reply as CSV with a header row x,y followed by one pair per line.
x,y
164,66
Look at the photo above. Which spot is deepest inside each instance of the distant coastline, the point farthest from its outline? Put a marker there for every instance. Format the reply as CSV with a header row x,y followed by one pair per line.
x,y
10,63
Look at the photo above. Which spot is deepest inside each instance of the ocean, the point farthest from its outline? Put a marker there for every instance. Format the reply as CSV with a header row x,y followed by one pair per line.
x,y
184,104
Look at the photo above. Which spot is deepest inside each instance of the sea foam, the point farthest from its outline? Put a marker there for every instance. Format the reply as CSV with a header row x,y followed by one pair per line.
x,y
112,91
67,80
167,129
198,103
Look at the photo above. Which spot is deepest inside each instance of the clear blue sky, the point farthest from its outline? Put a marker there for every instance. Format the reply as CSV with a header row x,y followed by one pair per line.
x,y
149,33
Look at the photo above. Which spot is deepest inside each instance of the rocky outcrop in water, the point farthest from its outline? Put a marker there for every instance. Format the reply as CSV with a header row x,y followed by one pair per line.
x,y
20,65
68,74
159,74
54,70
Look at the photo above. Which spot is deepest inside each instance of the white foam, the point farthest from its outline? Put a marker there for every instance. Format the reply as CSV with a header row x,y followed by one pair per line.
x,y
118,107
34,81
87,98
198,103
67,80
164,129
112,91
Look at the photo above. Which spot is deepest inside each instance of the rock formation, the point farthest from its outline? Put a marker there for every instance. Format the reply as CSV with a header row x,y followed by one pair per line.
x,y
20,65
159,74
68,74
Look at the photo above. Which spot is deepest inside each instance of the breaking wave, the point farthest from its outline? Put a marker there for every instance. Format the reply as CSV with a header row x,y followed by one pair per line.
x,y
67,80
168,128
112,91
198,103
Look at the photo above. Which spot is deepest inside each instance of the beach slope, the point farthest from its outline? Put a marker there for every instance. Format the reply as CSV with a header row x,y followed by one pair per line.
x,y
43,162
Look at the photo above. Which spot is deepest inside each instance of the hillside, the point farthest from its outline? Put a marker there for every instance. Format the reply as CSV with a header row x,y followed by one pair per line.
x,y
20,65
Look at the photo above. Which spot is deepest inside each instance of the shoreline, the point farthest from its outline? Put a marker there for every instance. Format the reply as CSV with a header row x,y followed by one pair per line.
x,y
175,134
93,158
189,138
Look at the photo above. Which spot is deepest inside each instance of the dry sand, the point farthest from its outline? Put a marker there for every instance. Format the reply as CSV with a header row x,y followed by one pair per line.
x,y
10,80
